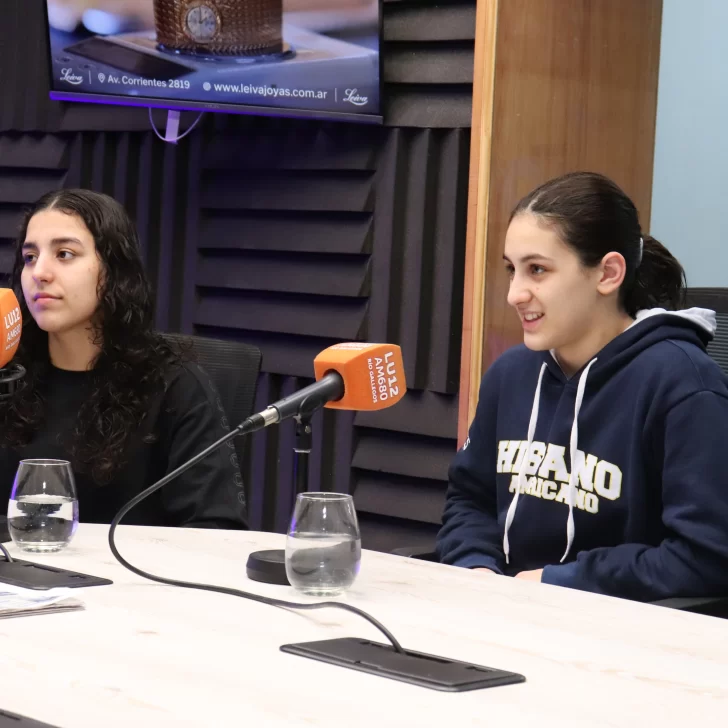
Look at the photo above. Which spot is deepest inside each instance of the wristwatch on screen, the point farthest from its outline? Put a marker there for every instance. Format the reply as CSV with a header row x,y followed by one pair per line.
x,y
220,27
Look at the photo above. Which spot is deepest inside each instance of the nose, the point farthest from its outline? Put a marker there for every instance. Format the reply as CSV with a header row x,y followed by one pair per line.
x,y
42,269
519,292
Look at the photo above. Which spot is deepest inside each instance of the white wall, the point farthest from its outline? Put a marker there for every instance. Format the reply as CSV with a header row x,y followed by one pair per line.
x,y
690,187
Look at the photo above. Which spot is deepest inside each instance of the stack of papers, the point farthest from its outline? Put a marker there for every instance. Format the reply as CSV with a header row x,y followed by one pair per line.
x,y
16,601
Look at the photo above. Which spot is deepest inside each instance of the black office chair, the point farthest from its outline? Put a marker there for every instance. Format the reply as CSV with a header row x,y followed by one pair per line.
x,y
715,299
233,368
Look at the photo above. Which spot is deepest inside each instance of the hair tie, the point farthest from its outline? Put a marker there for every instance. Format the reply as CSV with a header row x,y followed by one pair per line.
x,y
642,245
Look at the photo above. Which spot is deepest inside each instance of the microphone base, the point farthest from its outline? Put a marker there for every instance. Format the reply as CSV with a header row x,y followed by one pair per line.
x,y
268,567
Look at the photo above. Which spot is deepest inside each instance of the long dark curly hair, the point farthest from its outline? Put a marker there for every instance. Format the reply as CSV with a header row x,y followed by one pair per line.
x,y
133,360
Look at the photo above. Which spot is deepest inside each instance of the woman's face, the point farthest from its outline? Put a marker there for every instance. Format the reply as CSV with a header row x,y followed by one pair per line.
x,y
60,278
556,297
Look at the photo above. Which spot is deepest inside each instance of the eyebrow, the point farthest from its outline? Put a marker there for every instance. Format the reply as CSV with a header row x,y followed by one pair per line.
x,y
529,258
56,242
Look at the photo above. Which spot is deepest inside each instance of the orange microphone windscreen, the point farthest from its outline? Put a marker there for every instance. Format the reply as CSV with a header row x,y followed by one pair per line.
x,y
12,324
373,374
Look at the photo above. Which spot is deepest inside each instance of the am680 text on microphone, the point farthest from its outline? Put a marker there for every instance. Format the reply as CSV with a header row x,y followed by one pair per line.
x,y
351,376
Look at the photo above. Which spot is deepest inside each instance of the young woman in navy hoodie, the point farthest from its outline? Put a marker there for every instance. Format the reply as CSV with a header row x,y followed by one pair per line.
x,y
598,455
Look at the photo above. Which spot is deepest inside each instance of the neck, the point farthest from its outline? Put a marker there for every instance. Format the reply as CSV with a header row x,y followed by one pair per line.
x,y
573,357
73,350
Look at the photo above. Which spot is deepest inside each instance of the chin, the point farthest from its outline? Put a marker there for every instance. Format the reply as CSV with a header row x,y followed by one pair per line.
x,y
50,326
536,342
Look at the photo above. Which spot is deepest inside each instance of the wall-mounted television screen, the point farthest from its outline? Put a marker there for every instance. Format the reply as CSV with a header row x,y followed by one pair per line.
x,y
305,58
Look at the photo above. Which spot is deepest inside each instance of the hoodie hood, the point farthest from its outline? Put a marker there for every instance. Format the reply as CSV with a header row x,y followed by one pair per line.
x,y
693,325
701,319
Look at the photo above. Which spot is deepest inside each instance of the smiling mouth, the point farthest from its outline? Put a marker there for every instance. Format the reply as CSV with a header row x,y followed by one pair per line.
x,y
531,317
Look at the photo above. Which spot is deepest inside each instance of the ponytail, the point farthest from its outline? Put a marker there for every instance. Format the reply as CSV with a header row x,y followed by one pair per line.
x,y
659,280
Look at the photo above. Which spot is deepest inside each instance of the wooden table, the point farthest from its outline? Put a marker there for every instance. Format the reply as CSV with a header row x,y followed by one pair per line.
x,y
144,655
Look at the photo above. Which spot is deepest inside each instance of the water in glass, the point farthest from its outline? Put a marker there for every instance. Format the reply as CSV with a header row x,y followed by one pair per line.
x,y
323,549
43,508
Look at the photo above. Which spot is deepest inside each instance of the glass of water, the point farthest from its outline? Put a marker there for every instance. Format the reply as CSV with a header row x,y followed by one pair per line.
x,y
43,508
323,549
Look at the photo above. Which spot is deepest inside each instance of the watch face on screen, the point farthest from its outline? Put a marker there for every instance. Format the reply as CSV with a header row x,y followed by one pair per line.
x,y
202,22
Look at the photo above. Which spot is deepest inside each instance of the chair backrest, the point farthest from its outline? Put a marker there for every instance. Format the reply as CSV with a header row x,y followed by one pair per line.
x,y
233,368
717,300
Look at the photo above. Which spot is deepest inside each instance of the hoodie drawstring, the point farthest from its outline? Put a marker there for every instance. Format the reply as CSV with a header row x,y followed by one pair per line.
x,y
573,455
524,462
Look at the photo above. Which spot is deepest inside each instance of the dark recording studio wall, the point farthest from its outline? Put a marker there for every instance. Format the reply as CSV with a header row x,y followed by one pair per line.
x,y
292,236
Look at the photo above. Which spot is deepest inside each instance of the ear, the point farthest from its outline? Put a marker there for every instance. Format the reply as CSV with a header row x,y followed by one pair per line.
x,y
612,271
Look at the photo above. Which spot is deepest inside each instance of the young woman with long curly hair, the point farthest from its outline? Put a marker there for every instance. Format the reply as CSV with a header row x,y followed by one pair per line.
x,y
103,389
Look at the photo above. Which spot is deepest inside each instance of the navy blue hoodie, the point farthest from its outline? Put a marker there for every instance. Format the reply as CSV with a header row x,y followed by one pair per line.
x,y
644,514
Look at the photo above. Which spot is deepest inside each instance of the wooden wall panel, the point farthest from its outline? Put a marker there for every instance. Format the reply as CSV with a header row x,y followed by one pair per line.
x,y
574,88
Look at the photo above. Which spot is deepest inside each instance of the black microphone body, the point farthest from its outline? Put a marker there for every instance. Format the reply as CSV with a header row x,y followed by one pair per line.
x,y
306,401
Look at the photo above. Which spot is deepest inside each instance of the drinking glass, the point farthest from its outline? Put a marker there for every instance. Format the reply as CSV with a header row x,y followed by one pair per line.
x,y
43,508
323,548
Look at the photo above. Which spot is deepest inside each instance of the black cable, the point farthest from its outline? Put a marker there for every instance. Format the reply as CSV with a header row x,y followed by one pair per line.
x,y
250,425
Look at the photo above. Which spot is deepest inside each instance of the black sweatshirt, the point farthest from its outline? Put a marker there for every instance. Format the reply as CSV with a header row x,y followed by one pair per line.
x,y
185,419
